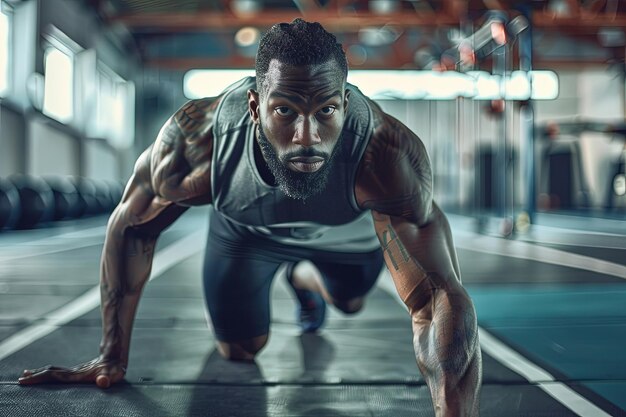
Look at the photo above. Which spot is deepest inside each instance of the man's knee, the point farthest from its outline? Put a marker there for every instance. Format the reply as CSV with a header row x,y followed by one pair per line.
x,y
351,306
242,350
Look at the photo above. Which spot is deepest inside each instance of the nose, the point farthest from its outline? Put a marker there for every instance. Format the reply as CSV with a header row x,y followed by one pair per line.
x,y
306,132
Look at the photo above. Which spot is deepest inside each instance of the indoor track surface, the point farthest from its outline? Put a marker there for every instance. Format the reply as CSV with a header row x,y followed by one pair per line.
x,y
551,307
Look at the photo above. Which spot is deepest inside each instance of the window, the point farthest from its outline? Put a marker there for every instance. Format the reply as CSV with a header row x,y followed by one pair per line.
x,y
211,83
58,100
5,49
115,108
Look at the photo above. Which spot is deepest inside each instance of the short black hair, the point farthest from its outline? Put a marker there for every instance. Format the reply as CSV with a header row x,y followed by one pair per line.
x,y
298,43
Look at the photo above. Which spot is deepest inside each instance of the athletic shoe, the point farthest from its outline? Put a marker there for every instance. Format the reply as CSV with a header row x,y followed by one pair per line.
x,y
312,308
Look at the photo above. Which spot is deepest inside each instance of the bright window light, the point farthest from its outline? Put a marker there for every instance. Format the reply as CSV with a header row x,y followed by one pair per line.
x,y
517,86
545,85
211,83
487,85
115,108
117,112
412,85
122,111
447,85
5,30
408,84
58,100
104,105
387,84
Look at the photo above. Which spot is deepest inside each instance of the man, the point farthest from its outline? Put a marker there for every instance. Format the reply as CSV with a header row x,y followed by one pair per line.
x,y
296,164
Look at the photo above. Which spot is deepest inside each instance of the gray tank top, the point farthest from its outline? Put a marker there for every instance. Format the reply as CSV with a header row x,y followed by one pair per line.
x,y
330,220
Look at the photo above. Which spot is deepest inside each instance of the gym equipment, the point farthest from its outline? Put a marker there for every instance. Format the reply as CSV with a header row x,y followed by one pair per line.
x,y
616,194
87,191
36,200
562,182
563,177
66,199
116,190
10,205
103,196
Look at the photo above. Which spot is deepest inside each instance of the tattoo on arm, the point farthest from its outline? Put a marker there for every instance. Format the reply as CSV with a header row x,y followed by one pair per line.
x,y
388,237
192,116
411,280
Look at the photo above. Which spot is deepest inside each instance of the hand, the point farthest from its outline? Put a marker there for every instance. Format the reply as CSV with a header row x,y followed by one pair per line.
x,y
103,372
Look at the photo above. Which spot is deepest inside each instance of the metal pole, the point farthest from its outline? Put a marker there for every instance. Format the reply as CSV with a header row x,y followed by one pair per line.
x,y
499,168
527,120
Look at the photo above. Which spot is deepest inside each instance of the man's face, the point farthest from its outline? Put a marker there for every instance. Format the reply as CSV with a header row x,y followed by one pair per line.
x,y
299,115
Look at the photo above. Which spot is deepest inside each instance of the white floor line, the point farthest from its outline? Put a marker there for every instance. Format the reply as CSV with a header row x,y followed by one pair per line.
x,y
524,250
519,364
542,234
556,236
163,260
73,234
533,373
621,245
581,233
53,244
23,253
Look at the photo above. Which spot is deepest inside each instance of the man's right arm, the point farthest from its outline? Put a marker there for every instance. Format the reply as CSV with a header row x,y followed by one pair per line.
x,y
169,176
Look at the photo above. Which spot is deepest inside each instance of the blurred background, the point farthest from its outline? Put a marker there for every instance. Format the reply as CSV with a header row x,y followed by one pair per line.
x,y
521,104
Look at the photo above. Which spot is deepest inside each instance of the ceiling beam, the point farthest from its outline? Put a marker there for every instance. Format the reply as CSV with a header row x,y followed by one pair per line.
x,y
580,23
181,22
206,21
184,64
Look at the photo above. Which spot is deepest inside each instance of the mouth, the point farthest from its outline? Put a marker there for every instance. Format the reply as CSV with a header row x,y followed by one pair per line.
x,y
306,164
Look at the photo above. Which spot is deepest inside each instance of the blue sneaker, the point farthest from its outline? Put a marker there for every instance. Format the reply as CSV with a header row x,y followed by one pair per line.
x,y
311,311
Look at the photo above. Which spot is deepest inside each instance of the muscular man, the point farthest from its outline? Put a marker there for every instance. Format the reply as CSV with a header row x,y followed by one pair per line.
x,y
300,169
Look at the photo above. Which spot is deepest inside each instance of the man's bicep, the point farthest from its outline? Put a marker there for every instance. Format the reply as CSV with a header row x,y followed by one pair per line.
x,y
140,208
170,175
413,251
180,163
409,276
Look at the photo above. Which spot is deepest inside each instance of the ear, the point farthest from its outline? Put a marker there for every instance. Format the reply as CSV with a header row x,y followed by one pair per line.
x,y
346,100
253,105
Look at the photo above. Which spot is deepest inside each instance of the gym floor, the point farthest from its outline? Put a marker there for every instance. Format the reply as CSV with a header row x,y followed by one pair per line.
x,y
550,307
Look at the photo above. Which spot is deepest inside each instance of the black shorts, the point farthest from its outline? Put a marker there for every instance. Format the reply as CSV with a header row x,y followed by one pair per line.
x,y
239,267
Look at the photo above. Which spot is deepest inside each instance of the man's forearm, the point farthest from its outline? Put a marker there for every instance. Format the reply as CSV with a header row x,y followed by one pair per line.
x,y
423,265
448,353
125,268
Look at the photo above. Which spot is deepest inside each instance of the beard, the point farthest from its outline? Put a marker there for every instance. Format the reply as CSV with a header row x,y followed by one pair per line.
x,y
298,185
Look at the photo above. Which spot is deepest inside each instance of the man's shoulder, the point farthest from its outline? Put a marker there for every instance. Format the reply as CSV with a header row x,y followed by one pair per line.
x,y
232,111
386,127
359,116
391,142
199,108
238,91
193,117
364,108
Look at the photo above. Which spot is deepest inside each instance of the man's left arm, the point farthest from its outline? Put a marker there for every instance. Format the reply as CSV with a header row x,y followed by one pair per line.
x,y
395,182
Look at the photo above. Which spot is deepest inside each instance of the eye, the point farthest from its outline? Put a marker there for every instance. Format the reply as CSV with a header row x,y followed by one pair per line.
x,y
327,110
283,111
